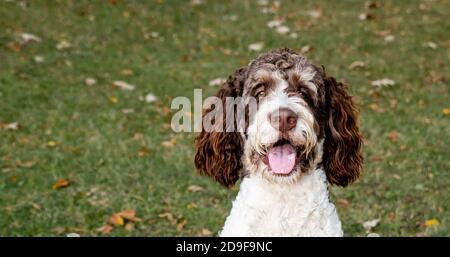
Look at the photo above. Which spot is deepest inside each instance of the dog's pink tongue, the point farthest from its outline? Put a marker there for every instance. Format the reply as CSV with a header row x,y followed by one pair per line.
x,y
282,159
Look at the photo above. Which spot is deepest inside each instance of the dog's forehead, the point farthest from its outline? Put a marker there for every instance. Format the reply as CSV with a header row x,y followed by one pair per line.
x,y
276,66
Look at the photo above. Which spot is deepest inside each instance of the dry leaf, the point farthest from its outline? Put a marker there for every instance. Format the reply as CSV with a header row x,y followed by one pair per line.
x,y
129,215
256,46
61,184
143,151
217,82
124,85
127,72
397,177
431,223
169,217
206,232
283,29
25,164
113,99
191,206
90,81
14,47
150,98
274,23
430,44
305,49
51,143
106,229
116,220
10,126
446,111
370,224
356,64
169,143
374,107
36,206
394,136
28,37
382,82
181,225
343,202
195,188
63,44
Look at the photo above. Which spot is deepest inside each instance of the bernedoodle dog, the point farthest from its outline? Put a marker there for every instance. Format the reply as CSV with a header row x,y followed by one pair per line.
x,y
302,137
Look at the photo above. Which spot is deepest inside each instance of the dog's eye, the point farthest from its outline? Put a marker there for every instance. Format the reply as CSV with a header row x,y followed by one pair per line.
x,y
260,90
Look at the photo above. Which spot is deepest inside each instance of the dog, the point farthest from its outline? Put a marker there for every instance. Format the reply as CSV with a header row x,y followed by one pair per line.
x,y
303,137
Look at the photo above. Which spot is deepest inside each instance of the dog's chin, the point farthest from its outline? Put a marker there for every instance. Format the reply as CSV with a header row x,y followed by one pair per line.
x,y
282,158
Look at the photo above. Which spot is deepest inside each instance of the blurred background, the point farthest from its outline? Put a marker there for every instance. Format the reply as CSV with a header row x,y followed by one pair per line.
x,y
86,86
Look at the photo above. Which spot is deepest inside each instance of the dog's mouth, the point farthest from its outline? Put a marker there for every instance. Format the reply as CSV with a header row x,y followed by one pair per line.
x,y
282,157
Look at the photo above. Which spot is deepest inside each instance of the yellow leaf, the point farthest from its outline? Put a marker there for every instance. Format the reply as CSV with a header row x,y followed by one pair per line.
x,y
432,222
191,206
113,99
116,220
61,183
51,143
127,72
170,143
446,111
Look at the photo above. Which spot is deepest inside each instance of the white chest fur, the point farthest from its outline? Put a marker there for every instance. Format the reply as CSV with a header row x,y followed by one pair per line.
x,y
262,208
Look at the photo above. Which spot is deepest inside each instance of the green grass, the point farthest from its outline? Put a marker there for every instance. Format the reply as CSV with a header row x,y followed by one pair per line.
x,y
405,182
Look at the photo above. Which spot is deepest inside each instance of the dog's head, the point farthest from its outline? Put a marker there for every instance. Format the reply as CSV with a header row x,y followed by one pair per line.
x,y
303,118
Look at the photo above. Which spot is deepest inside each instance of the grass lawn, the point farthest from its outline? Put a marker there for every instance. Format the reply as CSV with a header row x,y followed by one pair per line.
x,y
119,153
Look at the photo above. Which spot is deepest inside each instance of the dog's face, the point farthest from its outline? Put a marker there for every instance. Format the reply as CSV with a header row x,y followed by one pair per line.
x,y
303,119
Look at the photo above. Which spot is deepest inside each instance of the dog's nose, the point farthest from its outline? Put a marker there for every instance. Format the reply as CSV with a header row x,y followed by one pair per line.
x,y
284,119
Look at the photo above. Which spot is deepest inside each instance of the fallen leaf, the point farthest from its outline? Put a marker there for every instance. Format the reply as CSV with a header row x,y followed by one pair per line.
x,y
356,64
397,177
374,107
370,224
206,232
282,29
366,16
315,13
51,143
90,81
63,44
256,46
124,85
191,206
39,59
14,46
305,49
36,206
394,136
195,188
446,111
10,126
127,72
129,215
106,229
217,82
169,217
169,143
382,82
26,164
28,37
430,44
181,225
116,220
113,99
61,184
150,98
431,223
274,23
143,151
343,202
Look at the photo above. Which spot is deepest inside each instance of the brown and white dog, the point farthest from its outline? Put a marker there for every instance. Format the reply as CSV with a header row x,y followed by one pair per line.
x,y
303,135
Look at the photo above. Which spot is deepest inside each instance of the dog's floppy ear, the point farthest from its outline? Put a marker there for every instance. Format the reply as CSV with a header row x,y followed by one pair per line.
x,y
219,153
342,157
